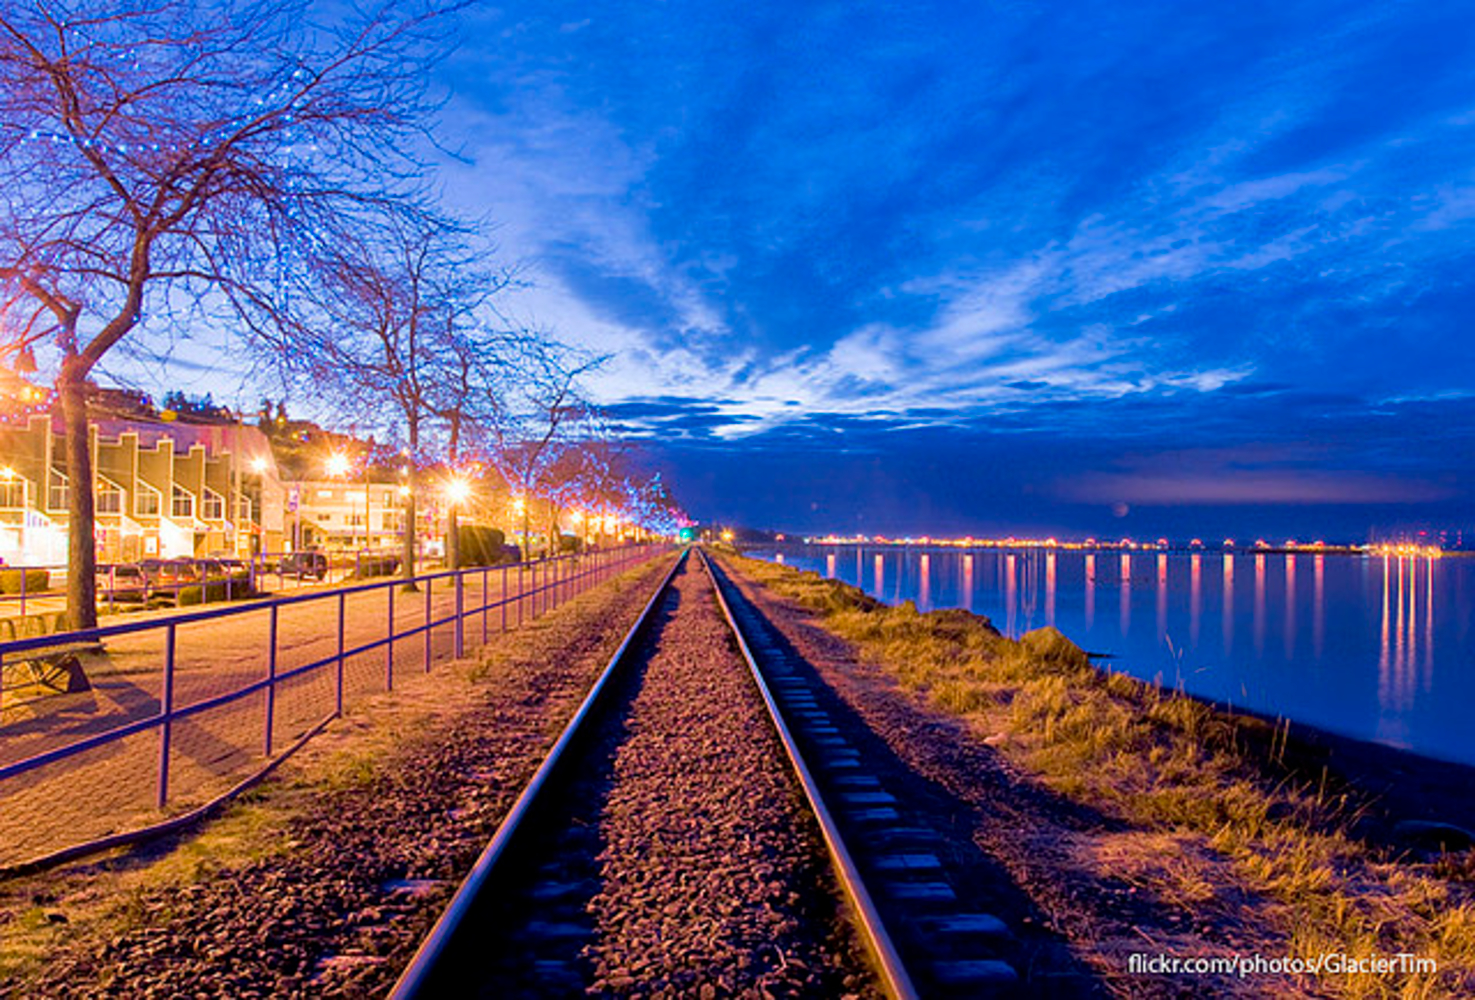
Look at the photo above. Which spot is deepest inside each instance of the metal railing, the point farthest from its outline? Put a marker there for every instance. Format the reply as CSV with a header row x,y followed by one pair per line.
x,y
246,662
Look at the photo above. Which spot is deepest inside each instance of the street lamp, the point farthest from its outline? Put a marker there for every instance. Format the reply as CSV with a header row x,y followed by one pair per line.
x,y
458,491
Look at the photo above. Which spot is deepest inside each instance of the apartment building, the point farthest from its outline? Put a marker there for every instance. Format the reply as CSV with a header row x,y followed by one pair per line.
x,y
162,488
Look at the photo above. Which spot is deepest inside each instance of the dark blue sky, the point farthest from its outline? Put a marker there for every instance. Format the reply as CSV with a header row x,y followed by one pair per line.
x,y
1002,266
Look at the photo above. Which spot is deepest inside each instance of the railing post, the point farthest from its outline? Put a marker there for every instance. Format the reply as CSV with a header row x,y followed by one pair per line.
x,y
459,642
389,644
521,589
271,679
338,691
505,598
486,601
166,715
429,583
23,575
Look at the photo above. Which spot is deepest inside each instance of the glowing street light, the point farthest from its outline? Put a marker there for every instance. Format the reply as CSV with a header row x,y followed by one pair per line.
x,y
458,491
337,465
258,465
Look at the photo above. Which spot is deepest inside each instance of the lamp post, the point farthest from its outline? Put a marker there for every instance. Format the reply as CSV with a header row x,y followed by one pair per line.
x,y
520,509
258,468
458,490
337,467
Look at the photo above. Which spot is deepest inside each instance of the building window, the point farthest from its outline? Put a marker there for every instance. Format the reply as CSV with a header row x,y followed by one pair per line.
x,y
214,506
182,503
244,512
146,501
57,493
390,521
109,497
325,494
356,520
12,493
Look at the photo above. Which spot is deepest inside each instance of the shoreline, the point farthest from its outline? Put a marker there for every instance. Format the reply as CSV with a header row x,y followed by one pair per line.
x,y
1362,752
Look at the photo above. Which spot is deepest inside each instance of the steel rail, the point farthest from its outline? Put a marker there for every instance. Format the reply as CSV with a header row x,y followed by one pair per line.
x,y
418,977
894,976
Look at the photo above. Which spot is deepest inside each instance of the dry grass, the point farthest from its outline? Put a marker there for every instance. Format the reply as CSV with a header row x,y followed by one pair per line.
x,y
1199,789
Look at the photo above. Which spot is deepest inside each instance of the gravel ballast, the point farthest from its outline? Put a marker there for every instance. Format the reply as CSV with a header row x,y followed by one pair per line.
x,y
701,868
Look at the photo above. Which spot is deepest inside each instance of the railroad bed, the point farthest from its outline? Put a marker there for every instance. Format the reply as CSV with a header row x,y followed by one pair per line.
x,y
702,829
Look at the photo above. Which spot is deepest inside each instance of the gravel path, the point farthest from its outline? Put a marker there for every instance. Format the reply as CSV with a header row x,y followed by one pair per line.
x,y
338,898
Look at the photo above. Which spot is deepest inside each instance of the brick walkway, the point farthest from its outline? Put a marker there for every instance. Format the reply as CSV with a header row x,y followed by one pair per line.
x,y
113,787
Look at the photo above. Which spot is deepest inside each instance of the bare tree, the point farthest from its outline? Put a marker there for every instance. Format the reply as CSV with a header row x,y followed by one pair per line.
x,y
158,152
532,429
398,338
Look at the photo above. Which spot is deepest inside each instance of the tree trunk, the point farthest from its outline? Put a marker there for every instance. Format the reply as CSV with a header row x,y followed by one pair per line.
x,y
411,487
453,538
407,552
81,546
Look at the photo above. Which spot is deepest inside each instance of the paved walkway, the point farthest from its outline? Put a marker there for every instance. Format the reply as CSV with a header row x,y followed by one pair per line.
x,y
114,786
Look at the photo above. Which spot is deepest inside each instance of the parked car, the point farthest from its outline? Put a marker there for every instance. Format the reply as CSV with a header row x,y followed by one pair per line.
x,y
303,565
123,583
167,577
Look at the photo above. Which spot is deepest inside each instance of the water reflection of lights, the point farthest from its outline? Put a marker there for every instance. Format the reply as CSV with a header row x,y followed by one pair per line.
x,y
1406,623
1050,588
968,582
1162,595
1011,596
1259,623
1196,595
1318,627
1090,591
1228,603
1290,629
1126,573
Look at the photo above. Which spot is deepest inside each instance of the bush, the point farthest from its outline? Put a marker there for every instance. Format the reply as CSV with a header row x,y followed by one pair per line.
x,y
376,566
217,590
36,580
570,543
479,545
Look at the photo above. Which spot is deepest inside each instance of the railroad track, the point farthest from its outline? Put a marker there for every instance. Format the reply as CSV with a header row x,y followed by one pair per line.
x,y
687,831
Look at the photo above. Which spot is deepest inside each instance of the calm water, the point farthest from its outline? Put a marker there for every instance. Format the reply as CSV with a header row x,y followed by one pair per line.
x,y
1378,648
